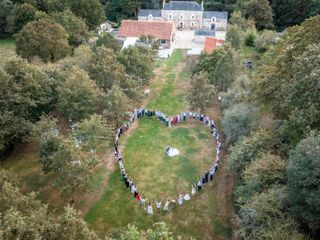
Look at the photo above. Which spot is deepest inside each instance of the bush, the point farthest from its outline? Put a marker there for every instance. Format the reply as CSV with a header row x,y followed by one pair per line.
x,y
250,38
239,121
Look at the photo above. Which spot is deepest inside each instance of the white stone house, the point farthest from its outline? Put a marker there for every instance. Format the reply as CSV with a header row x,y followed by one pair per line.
x,y
187,15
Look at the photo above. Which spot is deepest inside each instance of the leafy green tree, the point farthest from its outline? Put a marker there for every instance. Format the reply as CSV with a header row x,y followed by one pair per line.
x,y
287,82
303,181
234,36
72,226
91,11
264,216
6,18
294,12
239,121
250,37
78,95
44,39
93,131
201,93
139,63
105,70
108,41
261,12
23,216
265,40
116,105
239,91
57,5
262,173
226,70
248,149
208,62
238,19
25,94
75,27
24,13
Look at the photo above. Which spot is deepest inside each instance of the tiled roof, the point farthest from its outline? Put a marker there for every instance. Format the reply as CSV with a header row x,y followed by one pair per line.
x,y
218,15
147,12
211,44
183,5
158,29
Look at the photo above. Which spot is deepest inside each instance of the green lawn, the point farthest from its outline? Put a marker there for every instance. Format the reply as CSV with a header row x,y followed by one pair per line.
x,y
158,176
7,50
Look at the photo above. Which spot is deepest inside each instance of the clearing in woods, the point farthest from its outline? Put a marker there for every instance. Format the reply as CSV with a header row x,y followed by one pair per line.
x,y
208,215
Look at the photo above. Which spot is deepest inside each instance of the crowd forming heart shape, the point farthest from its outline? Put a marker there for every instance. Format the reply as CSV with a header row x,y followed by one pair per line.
x,y
169,122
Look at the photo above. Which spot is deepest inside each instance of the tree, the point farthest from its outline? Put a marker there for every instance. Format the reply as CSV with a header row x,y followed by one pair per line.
x,y
303,181
105,70
23,216
24,13
91,11
234,36
139,63
78,95
6,18
226,70
42,38
93,131
264,216
25,94
108,41
294,12
75,27
248,149
208,62
265,171
201,93
116,105
265,40
237,19
261,12
239,121
250,37
72,226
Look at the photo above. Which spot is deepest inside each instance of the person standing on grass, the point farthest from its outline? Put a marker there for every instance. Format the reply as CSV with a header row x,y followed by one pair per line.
x,y
211,174
150,209
187,197
180,200
142,202
158,204
193,190
166,206
199,184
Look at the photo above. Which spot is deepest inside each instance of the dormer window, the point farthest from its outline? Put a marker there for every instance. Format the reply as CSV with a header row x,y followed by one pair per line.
x,y
150,17
213,19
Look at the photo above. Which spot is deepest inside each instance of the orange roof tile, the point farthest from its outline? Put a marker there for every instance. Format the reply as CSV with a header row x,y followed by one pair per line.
x,y
211,44
158,29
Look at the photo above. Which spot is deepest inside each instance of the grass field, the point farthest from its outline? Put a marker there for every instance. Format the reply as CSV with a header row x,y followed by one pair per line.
x,y
7,50
161,177
202,218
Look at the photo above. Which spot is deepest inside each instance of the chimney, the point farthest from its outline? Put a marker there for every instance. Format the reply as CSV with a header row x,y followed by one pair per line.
x,y
202,5
163,3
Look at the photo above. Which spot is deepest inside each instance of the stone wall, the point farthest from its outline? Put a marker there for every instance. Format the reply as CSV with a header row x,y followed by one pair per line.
x,y
186,19
220,25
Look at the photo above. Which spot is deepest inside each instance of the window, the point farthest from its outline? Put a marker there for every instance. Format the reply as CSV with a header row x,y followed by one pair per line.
x,y
162,42
192,24
213,19
170,16
193,17
181,16
150,17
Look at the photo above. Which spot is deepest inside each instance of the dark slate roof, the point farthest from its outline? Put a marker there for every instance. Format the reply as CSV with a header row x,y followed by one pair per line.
x,y
210,33
183,5
218,15
147,12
